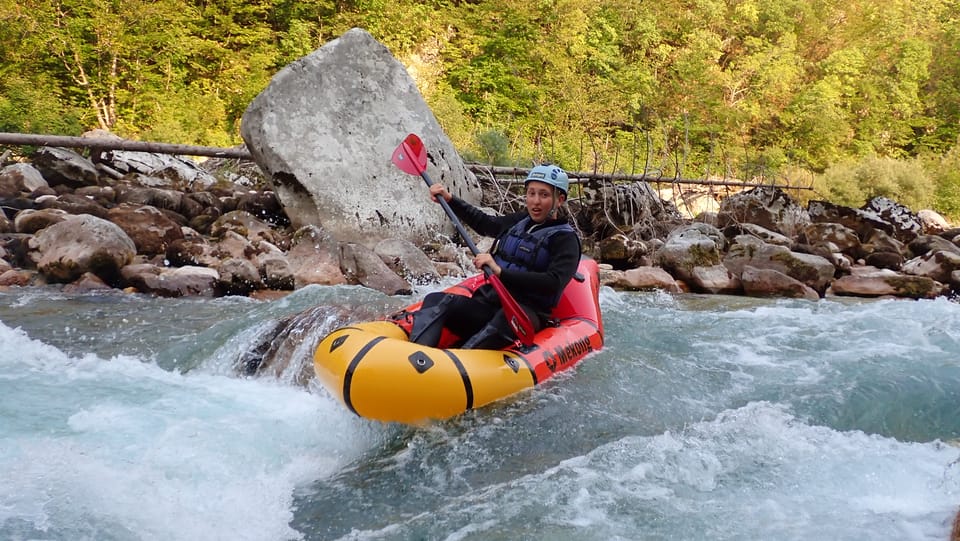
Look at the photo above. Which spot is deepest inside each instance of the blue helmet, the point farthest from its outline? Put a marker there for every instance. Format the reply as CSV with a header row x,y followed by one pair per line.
x,y
550,174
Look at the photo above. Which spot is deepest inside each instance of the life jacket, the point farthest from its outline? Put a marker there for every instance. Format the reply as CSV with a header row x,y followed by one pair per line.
x,y
520,249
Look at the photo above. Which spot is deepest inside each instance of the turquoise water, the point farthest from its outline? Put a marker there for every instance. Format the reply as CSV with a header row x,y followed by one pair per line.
x,y
705,417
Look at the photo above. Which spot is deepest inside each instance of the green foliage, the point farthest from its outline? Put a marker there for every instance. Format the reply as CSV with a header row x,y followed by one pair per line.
x,y
765,164
495,147
28,107
853,183
946,172
752,88
189,114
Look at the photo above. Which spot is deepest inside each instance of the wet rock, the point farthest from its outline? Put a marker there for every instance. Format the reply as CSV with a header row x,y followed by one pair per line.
x,y
184,281
150,229
772,283
407,261
363,266
314,257
276,273
643,278
884,282
192,251
246,225
239,277
812,270
264,206
716,279
85,283
14,277
84,243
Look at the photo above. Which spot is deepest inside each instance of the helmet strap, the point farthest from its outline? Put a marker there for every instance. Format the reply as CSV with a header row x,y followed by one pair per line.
x,y
555,205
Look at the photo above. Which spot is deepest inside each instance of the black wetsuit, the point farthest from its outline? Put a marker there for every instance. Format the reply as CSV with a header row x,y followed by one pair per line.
x,y
479,319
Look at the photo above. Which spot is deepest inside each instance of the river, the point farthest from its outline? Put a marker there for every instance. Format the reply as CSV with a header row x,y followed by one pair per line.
x,y
124,417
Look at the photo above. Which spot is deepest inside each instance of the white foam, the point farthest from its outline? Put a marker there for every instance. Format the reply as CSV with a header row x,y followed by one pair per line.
x,y
168,456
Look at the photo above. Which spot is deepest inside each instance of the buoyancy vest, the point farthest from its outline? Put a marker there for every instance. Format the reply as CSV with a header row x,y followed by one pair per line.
x,y
522,249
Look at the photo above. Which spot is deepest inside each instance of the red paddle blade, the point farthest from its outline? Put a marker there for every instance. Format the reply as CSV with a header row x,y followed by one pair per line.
x,y
410,156
516,317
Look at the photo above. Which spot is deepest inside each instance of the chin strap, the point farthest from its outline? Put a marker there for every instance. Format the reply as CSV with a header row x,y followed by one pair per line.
x,y
555,206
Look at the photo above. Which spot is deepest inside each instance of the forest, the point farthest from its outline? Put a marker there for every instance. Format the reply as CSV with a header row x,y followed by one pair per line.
x,y
858,98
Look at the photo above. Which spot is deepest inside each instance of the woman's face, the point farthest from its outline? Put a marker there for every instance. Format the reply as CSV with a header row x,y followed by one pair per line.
x,y
540,200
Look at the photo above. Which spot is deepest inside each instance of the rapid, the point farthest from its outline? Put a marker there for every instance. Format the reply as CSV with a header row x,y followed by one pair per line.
x,y
127,417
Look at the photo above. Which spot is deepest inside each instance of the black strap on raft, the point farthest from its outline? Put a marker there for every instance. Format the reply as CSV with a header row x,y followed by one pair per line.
x,y
428,320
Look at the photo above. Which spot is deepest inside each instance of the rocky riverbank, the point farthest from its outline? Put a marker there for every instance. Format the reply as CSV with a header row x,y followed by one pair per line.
x,y
168,226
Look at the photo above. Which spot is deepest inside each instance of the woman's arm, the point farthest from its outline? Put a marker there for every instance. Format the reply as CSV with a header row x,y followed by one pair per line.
x,y
481,222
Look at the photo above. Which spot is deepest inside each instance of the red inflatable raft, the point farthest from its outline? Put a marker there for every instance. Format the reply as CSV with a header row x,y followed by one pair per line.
x,y
378,374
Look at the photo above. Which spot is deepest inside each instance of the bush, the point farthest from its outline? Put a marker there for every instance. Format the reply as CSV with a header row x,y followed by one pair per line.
x,y
853,183
946,173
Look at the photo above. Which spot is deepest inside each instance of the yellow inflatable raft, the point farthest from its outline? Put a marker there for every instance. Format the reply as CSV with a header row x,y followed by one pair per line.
x,y
378,374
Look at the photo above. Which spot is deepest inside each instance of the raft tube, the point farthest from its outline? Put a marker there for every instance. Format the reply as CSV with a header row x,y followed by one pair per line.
x,y
379,374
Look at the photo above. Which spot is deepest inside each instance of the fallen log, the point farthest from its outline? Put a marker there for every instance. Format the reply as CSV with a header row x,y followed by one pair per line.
x,y
101,143
497,172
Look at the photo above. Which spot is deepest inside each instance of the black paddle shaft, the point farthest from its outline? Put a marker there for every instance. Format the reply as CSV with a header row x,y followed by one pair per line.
x,y
455,220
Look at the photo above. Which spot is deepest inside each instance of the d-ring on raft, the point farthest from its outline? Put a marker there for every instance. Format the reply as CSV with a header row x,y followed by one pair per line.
x,y
378,373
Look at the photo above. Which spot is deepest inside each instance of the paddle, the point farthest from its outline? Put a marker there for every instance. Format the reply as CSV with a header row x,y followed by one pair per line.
x,y
411,158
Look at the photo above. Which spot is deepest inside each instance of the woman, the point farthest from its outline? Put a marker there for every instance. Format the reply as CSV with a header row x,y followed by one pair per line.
x,y
535,254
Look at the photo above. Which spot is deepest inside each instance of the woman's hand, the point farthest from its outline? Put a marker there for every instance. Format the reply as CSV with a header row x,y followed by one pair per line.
x,y
439,190
487,259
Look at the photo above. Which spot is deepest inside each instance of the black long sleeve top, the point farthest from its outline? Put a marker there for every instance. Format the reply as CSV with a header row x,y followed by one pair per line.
x,y
564,249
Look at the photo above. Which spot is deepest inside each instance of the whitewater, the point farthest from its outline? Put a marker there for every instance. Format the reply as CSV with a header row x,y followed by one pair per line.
x,y
125,417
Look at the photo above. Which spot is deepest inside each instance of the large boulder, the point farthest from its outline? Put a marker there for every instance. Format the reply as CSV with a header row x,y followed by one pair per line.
x,y
644,278
689,246
839,235
20,177
64,166
150,230
773,283
813,270
878,214
766,206
172,282
870,282
906,224
324,131
65,251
